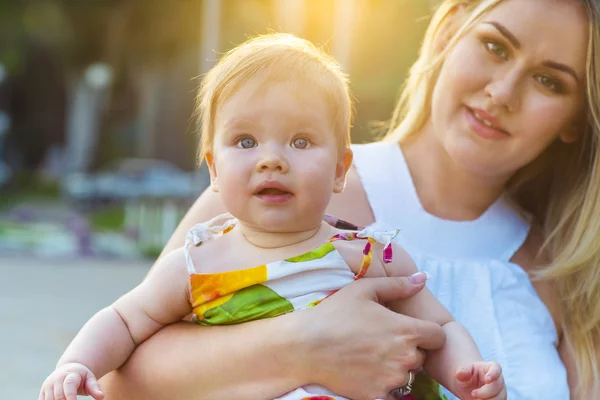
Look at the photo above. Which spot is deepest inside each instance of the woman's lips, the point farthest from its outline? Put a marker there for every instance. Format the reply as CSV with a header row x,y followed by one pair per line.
x,y
480,122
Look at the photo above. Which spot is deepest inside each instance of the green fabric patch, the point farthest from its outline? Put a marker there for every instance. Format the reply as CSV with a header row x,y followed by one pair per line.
x,y
425,388
248,304
313,255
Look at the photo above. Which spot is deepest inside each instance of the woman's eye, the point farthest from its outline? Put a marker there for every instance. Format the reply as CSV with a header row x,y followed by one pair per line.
x,y
300,143
246,143
496,49
549,83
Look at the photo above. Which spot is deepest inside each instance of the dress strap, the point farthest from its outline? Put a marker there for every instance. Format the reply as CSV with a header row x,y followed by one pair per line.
x,y
202,232
372,237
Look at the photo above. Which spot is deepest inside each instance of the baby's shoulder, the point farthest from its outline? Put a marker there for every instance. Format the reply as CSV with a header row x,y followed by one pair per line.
x,y
207,256
353,253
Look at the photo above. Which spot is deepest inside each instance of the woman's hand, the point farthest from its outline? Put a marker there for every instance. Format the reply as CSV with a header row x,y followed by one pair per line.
x,y
358,348
349,343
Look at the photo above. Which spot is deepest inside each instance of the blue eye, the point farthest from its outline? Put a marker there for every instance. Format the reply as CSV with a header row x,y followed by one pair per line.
x,y
246,143
300,143
496,49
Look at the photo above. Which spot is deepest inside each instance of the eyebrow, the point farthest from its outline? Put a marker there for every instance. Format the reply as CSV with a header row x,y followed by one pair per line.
x,y
506,33
515,42
561,67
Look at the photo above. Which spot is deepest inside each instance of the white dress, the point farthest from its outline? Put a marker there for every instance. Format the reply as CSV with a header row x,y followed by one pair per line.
x,y
471,274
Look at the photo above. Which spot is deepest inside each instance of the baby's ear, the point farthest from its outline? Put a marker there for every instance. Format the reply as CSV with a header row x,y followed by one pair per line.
x,y
212,169
341,170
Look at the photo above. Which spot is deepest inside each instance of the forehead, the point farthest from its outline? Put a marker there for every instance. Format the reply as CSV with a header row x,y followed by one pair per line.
x,y
262,101
555,30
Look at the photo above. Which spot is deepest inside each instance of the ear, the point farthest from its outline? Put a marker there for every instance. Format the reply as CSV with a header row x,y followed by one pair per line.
x,y
572,133
341,170
210,162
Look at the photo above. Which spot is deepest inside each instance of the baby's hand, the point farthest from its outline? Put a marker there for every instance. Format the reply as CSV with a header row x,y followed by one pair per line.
x,y
69,380
481,380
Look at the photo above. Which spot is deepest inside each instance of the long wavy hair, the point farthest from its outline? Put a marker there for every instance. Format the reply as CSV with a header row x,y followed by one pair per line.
x,y
563,196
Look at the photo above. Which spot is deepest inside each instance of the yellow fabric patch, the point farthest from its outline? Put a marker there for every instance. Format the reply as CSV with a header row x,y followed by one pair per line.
x,y
206,288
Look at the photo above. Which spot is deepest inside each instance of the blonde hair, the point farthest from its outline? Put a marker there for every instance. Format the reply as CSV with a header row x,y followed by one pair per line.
x,y
563,196
274,57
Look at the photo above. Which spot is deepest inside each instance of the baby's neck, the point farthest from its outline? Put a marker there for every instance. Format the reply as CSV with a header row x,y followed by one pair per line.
x,y
270,240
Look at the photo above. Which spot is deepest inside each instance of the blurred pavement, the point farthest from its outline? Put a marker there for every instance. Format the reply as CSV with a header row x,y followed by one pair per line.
x,y
43,304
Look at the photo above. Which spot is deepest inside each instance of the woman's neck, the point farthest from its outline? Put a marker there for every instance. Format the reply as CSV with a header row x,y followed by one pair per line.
x,y
271,240
445,188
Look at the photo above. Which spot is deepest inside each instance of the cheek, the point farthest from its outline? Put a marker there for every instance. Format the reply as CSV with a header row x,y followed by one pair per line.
x,y
458,78
233,175
543,120
316,171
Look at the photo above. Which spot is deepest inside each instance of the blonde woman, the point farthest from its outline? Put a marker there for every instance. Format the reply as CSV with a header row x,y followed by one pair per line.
x,y
491,169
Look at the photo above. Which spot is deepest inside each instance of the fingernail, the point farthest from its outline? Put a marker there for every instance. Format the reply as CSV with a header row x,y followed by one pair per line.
x,y
418,278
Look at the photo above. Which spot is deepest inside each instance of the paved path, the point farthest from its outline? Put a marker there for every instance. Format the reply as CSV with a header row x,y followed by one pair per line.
x,y
42,306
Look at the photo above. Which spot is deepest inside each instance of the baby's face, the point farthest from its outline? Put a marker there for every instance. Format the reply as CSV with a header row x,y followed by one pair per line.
x,y
275,160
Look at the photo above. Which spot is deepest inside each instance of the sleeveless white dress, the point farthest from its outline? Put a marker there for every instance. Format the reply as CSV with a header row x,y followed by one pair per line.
x,y
471,274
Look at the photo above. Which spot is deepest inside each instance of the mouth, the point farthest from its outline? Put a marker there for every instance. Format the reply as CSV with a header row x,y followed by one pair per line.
x,y
273,192
484,123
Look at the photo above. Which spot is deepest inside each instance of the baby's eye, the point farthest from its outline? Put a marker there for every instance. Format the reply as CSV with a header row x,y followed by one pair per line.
x,y
246,143
300,143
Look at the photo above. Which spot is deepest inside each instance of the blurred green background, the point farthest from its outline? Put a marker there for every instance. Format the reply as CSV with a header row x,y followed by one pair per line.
x,y
97,135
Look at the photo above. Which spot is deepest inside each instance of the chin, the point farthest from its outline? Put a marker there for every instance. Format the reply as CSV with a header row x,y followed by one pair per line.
x,y
473,158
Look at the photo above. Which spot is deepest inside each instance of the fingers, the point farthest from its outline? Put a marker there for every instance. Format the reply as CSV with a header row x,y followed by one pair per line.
x,y
490,374
494,372
92,387
465,375
396,288
47,392
70,386
59,393
430,335
492,390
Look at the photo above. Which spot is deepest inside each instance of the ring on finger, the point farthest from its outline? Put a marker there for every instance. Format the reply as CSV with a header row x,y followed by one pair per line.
x,y
406,389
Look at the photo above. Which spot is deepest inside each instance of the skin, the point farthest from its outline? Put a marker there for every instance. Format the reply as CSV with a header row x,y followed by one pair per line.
x,y
457,175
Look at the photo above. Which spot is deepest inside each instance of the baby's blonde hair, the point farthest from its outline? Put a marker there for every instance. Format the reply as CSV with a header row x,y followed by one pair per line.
x,y
564,195
274,57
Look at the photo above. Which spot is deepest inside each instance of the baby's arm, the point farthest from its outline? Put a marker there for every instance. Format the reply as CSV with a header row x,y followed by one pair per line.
x,y
458,363
107,340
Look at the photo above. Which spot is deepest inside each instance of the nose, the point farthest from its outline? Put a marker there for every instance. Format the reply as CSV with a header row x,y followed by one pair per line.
x,y
504,91
272,161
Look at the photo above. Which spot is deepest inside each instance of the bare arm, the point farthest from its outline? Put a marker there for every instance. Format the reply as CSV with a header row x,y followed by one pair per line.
x,y
375,350
109,337
372,353
577,393
459,351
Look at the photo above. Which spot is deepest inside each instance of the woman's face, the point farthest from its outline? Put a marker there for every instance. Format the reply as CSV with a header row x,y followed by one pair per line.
x,y
512,85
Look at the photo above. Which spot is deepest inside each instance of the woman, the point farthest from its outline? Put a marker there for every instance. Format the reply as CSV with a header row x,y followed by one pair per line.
x,y
497,173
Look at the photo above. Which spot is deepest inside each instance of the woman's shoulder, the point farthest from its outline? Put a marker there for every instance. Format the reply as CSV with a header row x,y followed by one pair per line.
x,y
352,204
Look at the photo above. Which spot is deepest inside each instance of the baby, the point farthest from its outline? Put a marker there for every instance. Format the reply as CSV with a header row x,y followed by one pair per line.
x,y
276,115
